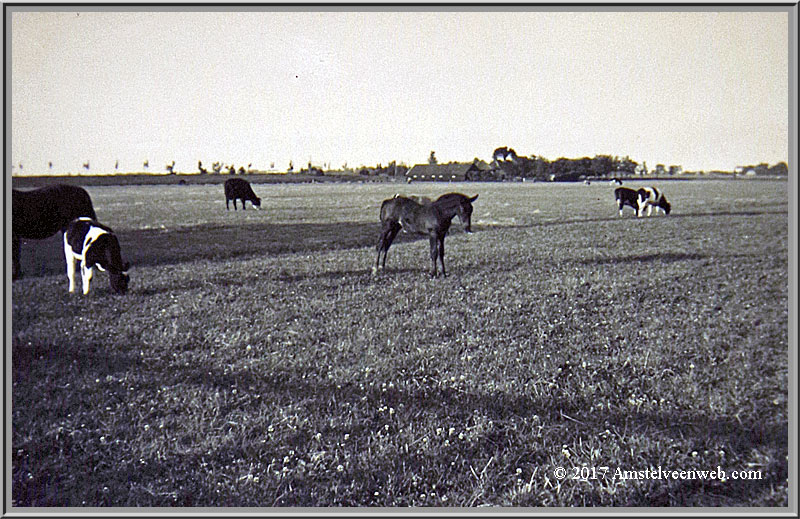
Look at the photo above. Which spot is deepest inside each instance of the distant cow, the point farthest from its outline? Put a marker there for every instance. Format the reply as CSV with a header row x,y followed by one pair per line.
x,y
641,198
94,245
40,213
615,182
240,188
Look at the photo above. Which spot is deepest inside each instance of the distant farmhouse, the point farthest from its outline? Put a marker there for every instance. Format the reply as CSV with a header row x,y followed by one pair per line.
x,y
452,172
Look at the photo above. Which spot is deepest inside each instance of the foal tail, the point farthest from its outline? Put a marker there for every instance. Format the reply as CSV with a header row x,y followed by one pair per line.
x,y
385,208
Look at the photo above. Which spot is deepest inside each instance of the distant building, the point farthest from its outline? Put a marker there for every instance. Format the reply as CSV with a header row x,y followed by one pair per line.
x,y
453,172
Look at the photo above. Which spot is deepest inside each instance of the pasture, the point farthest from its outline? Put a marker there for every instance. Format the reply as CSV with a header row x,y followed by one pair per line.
x,y
256,362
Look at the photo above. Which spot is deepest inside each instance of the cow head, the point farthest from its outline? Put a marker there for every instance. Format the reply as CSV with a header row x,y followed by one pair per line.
x,y
119,279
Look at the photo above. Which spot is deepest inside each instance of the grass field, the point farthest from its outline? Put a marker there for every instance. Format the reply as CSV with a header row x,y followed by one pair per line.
x,y
256,362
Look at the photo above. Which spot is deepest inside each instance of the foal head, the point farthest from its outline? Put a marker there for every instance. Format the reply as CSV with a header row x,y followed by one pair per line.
x,y
465,212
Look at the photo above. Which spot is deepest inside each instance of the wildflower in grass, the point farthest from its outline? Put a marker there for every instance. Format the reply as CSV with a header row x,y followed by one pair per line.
x,y
340,468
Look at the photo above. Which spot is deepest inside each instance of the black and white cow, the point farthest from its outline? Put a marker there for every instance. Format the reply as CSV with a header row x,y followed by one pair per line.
x,y
651,197
626,196
94,245
240,188
646,197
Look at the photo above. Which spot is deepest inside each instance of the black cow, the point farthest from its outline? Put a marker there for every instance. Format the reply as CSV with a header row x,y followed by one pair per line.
x,y
94,245
626,196
240,188
40,213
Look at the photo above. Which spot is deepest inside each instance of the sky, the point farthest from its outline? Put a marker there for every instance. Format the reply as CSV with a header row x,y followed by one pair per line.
x,y
263,87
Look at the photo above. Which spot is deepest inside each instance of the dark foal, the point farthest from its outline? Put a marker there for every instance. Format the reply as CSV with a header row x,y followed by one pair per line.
x,y
431,220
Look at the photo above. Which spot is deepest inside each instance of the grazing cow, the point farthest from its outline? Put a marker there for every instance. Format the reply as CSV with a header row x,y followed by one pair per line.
x,y
651,197
615,182
639,199
40,213
240,188
626,196
92,244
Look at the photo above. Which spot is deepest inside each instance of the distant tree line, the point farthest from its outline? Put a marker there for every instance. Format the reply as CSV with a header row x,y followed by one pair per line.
x,y
508,164
781,169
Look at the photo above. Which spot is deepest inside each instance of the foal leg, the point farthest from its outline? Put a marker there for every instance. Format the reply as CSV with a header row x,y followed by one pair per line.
x,y
434,254
393,230
441,255
383,246
380,248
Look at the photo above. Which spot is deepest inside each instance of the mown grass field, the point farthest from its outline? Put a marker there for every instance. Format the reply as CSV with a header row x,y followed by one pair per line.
x,y
257,363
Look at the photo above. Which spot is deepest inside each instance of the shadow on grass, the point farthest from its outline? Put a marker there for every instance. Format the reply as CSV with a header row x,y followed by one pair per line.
x,y
74,365
153,247
628,216
574,415
661,257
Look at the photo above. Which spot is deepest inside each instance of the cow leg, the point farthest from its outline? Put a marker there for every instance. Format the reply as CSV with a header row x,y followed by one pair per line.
x,y
227,204
70,259
86,277
434,254
619,207
244,204
649,209
15,249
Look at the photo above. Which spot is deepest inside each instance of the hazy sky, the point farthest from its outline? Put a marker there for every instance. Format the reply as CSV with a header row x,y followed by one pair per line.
x,y
705,90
